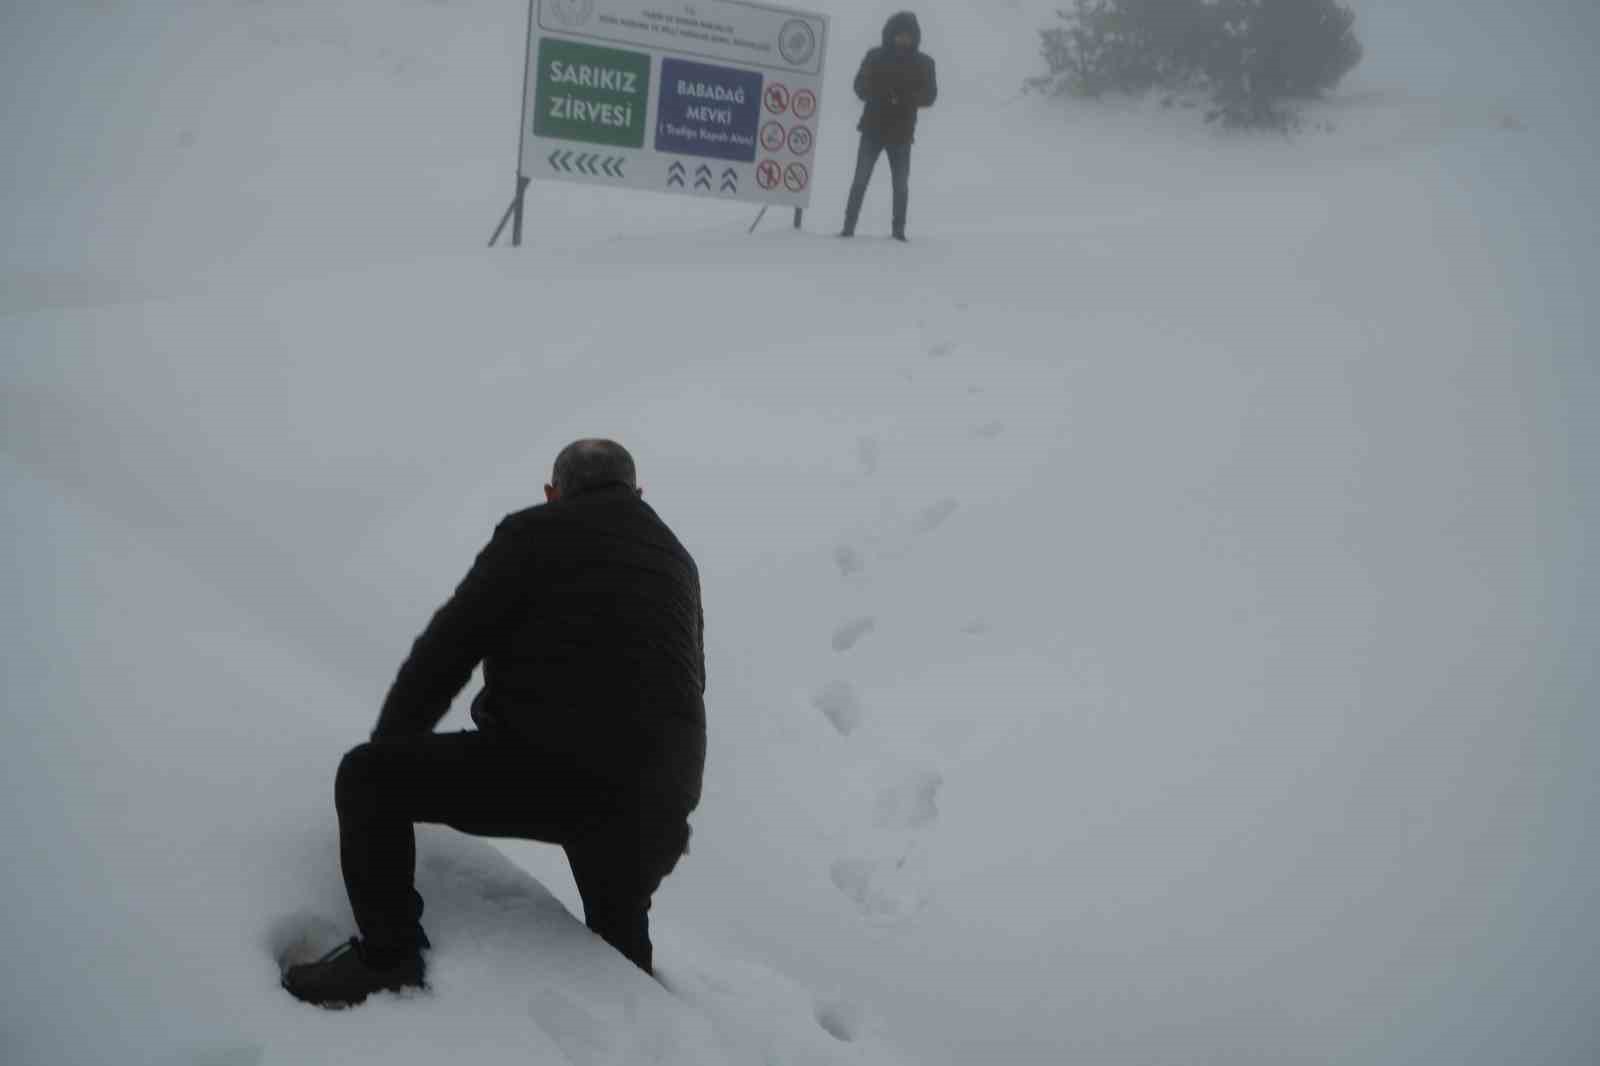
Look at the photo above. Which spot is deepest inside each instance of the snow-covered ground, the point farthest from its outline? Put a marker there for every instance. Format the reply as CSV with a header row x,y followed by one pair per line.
x,y
1151,618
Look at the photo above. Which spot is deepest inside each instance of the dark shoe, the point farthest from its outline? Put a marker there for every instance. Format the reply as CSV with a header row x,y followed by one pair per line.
x,y
847,233
900,235
349,973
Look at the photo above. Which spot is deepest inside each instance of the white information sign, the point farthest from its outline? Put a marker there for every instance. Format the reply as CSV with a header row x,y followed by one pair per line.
x,y
714,98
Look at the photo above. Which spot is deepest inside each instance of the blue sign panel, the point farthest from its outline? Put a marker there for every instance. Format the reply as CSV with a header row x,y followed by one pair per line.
x,y
708,111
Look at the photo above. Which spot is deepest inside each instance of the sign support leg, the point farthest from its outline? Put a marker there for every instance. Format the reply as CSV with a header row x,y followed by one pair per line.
x,y
503,220
516,212
513,215
799,216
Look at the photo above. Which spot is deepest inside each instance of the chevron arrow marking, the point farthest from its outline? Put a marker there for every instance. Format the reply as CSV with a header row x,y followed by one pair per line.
x,y
595,165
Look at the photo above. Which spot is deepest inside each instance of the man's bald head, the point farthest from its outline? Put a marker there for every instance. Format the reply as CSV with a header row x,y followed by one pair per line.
x,y
585,465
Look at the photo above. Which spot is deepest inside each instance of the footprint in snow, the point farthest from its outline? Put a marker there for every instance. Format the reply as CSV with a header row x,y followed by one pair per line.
x,y
303,937
933,516
841,1018
838,702
848,634
989,430
867,451
848,559
910,803
883,890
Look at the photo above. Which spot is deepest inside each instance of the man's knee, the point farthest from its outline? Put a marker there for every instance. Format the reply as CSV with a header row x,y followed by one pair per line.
x,y
355,785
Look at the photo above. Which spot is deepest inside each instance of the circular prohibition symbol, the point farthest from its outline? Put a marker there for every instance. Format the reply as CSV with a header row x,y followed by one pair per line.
x,y
777,98
805,104
795,178
769,174
800,140
773,136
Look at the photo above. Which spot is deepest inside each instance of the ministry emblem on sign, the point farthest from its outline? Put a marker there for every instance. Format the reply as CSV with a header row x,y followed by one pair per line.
x,y
797,42
573,12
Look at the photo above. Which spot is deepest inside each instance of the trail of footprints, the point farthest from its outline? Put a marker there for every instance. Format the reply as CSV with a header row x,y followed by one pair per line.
x,y
888,883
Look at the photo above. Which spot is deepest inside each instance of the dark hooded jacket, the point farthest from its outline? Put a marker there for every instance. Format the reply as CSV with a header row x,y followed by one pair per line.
x,y
586,616
894,85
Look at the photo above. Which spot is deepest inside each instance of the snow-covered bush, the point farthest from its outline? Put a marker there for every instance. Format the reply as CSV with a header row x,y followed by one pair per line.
x,y
1252,57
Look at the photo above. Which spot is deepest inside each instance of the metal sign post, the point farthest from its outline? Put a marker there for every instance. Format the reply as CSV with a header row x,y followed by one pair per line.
x,y
514,212
717,99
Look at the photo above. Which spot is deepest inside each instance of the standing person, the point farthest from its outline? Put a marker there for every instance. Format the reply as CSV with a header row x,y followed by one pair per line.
x,y
894,82
586,615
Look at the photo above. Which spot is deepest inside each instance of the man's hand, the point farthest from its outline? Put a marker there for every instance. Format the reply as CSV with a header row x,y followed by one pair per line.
x,y
456,640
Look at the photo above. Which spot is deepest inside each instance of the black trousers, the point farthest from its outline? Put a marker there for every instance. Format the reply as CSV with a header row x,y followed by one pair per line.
x,y
899,171
492,785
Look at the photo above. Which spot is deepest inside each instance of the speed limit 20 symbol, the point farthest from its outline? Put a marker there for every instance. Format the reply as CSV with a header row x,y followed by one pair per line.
x,y
800,140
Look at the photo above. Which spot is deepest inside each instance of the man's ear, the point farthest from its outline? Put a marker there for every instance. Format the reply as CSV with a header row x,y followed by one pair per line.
x,y
550,494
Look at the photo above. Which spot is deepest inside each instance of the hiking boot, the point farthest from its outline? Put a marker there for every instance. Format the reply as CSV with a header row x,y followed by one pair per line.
x,y
351,972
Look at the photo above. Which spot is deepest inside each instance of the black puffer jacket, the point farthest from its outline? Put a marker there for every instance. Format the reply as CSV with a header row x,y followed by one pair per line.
x,y
586,615
895,84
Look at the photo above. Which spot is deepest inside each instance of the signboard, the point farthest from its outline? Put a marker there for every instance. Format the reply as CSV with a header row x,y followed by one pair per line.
x,y
715,98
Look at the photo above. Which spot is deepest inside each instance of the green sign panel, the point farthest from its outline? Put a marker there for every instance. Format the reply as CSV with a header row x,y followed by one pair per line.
x,y
589,94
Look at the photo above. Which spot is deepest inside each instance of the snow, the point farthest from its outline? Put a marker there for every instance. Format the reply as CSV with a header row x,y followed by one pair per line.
x,y
1151,617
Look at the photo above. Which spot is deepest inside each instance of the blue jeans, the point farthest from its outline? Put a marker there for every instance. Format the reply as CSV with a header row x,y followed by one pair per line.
x,y
866,162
